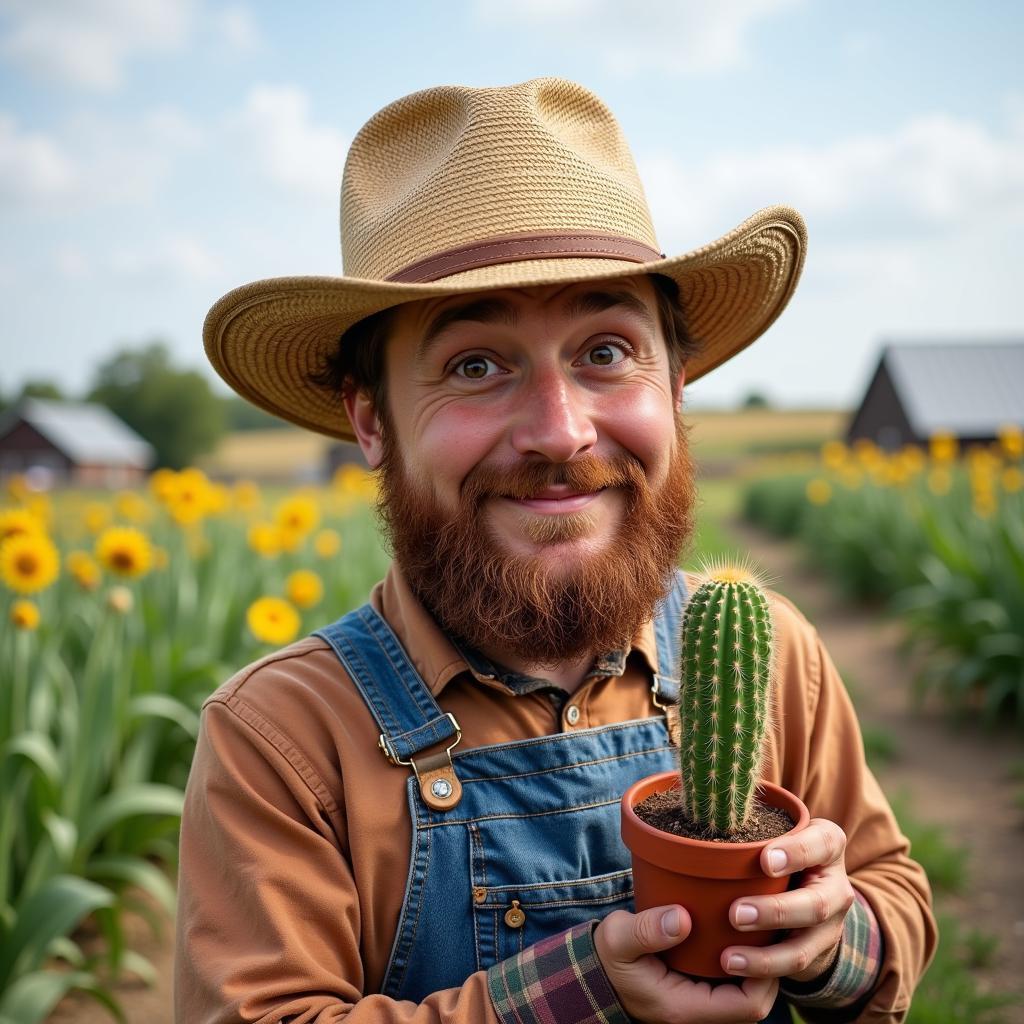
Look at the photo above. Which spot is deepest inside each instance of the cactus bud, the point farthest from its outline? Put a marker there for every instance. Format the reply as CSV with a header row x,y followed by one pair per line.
x,y
724,696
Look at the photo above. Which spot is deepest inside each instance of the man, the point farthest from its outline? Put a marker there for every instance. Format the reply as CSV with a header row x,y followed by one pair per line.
x,y
413,814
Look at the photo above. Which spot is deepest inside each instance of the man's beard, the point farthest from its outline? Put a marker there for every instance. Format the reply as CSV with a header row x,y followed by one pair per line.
x,y
496,600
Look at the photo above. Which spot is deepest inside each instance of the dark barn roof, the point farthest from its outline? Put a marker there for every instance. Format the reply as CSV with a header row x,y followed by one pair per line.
x,y
968,389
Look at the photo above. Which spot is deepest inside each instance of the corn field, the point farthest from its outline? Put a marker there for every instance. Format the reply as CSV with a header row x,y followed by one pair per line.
x,y
119,615
938,536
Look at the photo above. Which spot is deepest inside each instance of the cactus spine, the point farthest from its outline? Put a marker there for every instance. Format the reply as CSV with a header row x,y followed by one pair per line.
x,y
724,698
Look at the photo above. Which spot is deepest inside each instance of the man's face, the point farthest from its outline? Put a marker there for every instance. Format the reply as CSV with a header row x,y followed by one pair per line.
x,y
532,454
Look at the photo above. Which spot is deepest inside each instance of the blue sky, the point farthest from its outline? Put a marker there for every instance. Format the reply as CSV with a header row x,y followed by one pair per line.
x,y
155,154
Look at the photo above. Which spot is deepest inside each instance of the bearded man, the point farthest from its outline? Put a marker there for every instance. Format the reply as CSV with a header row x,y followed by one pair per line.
x,y
412,815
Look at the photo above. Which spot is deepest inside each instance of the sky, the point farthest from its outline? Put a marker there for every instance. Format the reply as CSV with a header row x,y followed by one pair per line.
x,y
155,154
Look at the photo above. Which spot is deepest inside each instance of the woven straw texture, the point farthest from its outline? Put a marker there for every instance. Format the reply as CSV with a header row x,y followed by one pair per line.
x,y
454,166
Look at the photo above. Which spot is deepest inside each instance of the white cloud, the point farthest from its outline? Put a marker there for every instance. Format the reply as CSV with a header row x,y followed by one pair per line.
x,y
87,42
238,29
33,167
92,160
677,37
275,127
934,174
170,257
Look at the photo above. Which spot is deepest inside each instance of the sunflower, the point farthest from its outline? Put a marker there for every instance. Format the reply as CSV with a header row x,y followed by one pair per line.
x,y
327,543
28,562
25,615
84,569
304,588
246,496
15,521
97,516
265,539
273,620
124,551
297,515
131,506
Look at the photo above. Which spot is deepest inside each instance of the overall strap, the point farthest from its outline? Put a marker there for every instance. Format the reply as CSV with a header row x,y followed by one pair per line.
x,y
409,718
668,620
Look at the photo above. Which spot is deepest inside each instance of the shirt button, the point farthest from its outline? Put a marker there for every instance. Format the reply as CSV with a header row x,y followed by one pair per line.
x,y
572,714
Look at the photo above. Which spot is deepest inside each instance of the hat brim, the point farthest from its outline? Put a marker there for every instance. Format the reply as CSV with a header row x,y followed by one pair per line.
x,y
267,339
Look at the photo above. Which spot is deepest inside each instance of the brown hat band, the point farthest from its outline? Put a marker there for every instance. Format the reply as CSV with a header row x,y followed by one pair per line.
x,y
512,248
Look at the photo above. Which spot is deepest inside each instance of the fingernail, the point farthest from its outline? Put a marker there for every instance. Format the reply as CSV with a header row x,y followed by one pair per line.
x,y
777,860
746,914
670,924
737,963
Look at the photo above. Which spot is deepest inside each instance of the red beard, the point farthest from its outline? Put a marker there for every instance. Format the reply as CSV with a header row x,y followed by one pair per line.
x,y
494,600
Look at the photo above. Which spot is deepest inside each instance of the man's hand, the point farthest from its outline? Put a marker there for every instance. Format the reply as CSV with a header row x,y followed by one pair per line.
x,y
814,912
650,991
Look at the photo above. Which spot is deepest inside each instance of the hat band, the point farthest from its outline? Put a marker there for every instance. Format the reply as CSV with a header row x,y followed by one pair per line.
x,y
512,248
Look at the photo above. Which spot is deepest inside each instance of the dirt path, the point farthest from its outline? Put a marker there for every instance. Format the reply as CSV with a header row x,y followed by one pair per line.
x,y
953,774
956,777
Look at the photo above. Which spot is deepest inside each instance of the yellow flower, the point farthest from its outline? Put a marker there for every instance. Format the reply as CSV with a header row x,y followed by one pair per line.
x,y
265,539
15,521
327,543
188,497
833,454
85,571
161,483
246,496
28,562
124,551
218,499
120,600
273,620
297,514
131,506
1013,480
97,516
356,482
25,614
304,588
17,487
943,447
1011,440
819,492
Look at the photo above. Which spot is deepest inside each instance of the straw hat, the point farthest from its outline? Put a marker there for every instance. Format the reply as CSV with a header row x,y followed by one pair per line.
x,y
455,189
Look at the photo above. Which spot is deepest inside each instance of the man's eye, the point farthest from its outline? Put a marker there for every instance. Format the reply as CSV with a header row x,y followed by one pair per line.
x,y
475,367
606,354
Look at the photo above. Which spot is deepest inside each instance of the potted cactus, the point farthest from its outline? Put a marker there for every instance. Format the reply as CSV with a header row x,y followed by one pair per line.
x,y
725,701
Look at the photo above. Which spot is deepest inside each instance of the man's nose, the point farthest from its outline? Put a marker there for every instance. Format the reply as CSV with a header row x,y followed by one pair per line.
x,y
555,419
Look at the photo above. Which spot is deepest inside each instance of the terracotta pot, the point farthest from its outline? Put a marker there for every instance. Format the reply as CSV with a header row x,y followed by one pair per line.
x,y
704,877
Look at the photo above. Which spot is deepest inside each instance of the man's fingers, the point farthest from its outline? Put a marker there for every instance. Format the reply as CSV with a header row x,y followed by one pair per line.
x,y
625,937
825,894
784,959
822,842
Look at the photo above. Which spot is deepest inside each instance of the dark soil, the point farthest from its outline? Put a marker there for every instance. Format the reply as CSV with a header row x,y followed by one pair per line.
x,y
664,811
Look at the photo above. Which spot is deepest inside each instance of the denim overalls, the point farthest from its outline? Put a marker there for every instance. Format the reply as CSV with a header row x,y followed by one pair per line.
x,y
532,847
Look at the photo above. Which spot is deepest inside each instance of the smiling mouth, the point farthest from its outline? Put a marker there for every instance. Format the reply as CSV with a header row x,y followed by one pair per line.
x,y
557,501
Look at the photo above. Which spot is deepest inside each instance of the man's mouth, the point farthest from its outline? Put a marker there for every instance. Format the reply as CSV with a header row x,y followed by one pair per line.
x,y
557,499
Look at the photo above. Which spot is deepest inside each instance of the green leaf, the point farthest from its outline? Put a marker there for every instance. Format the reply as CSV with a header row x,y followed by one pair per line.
x,y
54,909
63,834
39,749
130,802
31,998
137,872
159,705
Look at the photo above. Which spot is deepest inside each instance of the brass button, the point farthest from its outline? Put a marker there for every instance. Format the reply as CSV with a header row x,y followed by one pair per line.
x,y
479,894
514,916
572,714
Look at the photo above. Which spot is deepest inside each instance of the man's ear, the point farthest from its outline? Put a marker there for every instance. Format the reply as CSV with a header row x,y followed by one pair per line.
x,y
366,425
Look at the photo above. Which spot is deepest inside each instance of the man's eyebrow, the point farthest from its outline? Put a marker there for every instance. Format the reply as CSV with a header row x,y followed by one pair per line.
x,y
587,303
483,311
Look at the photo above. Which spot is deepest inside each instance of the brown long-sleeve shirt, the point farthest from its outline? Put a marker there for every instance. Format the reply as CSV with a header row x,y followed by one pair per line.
x,y
295,836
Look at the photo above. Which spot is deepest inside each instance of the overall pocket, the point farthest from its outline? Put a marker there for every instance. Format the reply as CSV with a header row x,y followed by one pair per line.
x,y
508,918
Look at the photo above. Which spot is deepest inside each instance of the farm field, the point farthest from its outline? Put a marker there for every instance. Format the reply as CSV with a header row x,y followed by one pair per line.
x,y
295,558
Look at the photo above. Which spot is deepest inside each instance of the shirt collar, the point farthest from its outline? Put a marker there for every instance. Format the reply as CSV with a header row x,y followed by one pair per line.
x,y
438,660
